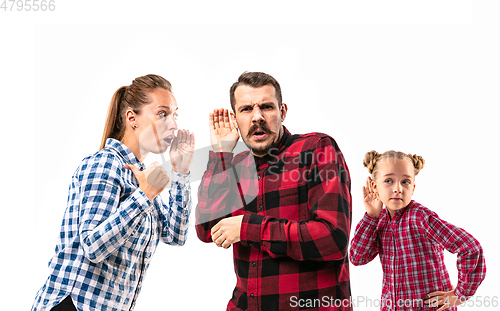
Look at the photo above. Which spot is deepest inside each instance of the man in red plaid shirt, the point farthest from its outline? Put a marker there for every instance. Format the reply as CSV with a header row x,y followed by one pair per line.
x,y
284,205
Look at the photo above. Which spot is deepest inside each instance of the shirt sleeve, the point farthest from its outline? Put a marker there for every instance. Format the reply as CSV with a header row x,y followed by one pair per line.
x,y
175,215
364,246
470,258
325,236
218,194
106,222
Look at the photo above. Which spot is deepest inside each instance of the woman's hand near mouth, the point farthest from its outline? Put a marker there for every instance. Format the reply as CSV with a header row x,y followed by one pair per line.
x,y
181,151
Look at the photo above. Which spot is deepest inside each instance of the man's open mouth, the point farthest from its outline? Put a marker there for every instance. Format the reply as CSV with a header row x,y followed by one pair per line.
x,y
258,133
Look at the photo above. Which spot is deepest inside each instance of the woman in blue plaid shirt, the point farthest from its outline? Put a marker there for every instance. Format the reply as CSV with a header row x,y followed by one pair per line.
x,y
115,217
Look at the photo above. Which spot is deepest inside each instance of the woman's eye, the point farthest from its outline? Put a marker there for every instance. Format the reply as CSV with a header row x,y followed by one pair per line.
x,y
175,116
162,114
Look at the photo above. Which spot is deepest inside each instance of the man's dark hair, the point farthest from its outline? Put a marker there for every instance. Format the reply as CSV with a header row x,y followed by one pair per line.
x,y
255,79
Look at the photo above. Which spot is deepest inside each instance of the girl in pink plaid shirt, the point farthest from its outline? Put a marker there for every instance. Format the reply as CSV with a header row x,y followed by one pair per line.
x,y
410,240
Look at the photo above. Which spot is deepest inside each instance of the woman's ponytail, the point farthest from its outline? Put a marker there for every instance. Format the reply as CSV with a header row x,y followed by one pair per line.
x,y
113,127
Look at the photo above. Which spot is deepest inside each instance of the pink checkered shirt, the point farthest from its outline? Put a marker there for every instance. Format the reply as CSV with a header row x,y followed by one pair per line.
x,y
411,247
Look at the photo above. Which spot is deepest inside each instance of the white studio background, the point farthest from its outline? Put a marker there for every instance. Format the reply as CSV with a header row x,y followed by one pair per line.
x,y
420,79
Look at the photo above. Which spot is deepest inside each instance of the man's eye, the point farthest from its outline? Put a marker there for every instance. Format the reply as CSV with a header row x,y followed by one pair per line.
x,y
245,109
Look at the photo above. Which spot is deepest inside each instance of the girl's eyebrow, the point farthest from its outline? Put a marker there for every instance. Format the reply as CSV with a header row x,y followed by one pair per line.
x,y
392,174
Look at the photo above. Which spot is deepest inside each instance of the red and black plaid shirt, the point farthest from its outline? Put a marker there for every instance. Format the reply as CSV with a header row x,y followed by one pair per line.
x,y
296,203
410,246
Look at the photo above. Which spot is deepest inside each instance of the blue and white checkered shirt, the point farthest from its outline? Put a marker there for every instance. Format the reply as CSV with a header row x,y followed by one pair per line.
x,y
110,232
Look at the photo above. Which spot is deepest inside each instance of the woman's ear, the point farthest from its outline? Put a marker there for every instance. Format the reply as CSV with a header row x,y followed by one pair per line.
x,y
130,118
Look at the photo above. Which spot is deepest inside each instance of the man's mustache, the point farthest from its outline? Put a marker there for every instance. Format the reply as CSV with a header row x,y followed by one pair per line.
x,y
256,127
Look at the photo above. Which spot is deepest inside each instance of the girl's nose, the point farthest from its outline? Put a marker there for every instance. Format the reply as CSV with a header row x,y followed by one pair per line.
x,y
397,188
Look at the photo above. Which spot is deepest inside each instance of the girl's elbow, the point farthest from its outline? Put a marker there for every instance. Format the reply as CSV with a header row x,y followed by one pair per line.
x,y
356,260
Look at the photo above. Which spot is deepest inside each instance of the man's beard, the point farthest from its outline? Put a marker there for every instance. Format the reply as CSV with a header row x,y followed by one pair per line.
x,y
262,151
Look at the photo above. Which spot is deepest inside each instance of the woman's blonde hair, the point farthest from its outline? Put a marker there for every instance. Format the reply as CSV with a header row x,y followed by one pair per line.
x,y
133,96
372,159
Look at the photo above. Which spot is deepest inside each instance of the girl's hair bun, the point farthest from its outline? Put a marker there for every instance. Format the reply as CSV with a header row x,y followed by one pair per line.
x,y
418,162
370,160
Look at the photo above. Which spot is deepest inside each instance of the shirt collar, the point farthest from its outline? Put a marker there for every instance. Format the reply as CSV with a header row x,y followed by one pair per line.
x,y
124,152
399,213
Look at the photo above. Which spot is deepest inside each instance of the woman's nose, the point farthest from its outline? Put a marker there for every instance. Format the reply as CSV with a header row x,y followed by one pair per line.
x,y
173,124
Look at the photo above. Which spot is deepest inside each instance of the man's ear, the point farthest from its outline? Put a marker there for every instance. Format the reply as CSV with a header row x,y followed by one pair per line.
x,y
284,110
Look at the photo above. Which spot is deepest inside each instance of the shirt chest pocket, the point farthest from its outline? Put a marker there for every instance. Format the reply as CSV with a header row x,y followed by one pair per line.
x,y
290,203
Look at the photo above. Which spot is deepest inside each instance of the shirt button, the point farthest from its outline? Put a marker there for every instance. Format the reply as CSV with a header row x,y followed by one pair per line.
x,y
253,264
258,177
252,295
260,207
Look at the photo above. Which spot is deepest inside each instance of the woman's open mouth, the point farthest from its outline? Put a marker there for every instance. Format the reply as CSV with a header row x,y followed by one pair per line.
x,y
167,141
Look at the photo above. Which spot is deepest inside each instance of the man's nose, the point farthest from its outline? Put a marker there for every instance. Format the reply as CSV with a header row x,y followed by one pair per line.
x,y
257,116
